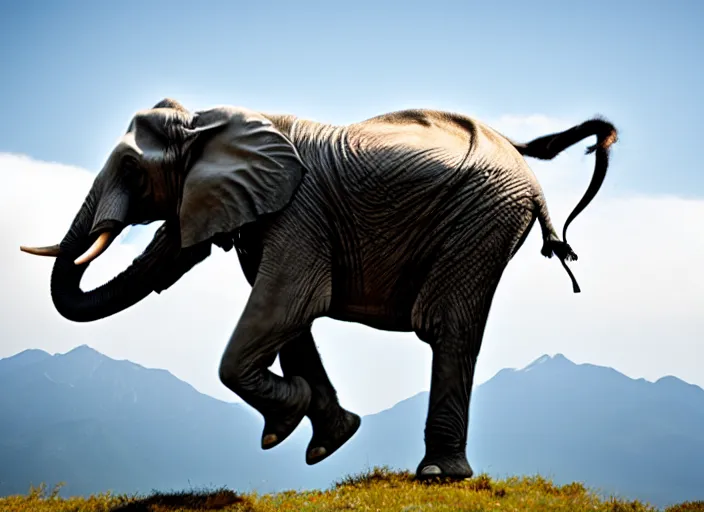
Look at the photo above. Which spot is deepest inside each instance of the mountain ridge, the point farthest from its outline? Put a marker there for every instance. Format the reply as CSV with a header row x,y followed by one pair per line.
x,y
105,424
37,354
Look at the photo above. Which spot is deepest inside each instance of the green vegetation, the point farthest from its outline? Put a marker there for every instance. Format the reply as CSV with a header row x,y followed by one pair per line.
x,y
377,490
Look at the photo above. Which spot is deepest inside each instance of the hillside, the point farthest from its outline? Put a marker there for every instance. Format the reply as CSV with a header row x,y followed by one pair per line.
x,y
569,422
376,490
99,424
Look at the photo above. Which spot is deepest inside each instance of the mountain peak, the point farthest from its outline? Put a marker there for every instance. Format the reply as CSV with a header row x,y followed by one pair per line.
x,y
83,353
675,384
557,359
670,379
30,355
82,350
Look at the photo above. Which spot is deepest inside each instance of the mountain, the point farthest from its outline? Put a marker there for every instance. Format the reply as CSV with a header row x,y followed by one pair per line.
x,y
570,422
100,424
590,423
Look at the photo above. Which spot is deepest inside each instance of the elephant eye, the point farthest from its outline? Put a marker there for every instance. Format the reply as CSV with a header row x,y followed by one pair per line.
x,y
132,172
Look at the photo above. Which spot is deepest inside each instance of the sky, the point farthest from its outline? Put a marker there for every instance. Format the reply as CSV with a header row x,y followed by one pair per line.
x,y
74,73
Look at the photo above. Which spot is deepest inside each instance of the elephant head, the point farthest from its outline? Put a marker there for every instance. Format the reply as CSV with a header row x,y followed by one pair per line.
x,y
205,174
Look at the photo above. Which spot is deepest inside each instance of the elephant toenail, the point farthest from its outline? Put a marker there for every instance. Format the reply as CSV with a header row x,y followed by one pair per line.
x,y
317,452
431,470
269,439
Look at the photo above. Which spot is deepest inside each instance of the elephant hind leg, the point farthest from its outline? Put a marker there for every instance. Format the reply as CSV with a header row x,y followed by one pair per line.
x,y
451,315
455,342
332,425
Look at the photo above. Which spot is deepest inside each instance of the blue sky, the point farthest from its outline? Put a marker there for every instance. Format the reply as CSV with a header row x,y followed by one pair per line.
x,y
74,73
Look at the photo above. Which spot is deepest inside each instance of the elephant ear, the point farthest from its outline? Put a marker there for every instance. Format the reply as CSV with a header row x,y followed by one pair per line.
x,y
242,167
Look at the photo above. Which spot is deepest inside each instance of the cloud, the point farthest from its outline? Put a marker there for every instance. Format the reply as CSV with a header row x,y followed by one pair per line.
x,y
639,310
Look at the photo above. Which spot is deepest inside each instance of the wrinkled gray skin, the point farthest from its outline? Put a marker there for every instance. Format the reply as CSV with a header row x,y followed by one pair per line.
x,y
403,222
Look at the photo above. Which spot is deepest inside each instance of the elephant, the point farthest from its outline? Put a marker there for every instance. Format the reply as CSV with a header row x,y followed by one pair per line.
x,y
401,222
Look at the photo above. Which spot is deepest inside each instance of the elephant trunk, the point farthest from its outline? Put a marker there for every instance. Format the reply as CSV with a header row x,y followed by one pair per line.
x,y
99,221
126,289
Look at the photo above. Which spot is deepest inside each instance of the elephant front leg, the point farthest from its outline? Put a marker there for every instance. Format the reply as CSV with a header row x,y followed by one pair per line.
x,y
332,425
283,402
269,321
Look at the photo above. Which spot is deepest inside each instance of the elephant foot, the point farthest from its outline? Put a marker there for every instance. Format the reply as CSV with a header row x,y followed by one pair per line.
x,y
280,424
454,467
329,436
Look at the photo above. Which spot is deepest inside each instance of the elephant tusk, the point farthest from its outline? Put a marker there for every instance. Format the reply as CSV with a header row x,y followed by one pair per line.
x,y
96,249
50,250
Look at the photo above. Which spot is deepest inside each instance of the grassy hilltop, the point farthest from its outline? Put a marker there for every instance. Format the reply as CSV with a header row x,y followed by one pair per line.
x,y
378,490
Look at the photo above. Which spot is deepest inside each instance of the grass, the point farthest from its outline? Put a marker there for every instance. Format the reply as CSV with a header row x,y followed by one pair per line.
x,y
377,490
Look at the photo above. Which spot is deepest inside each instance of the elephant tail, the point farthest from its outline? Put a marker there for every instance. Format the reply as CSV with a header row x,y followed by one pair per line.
x,y
547,148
